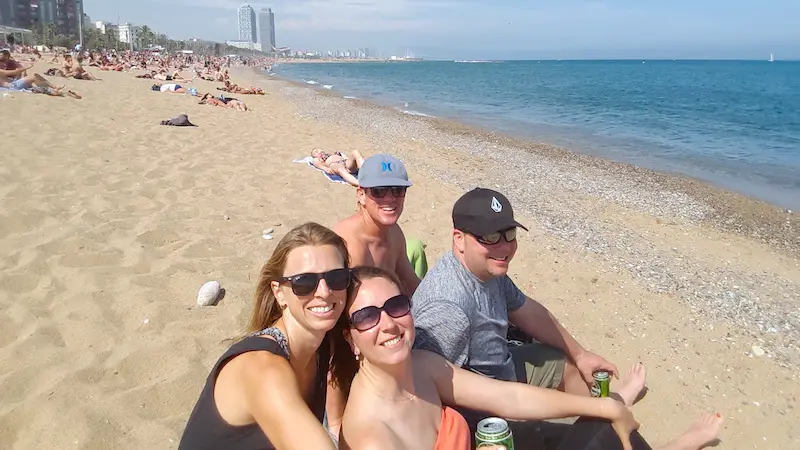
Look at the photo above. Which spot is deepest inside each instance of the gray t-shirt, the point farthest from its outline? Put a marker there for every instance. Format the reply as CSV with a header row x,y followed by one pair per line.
x,y
465,319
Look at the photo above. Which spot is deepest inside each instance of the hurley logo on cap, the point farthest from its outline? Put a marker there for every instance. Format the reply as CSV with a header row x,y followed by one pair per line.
x,y
496,206
386,167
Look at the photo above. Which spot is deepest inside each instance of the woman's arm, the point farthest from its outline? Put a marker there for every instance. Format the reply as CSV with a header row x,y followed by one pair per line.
x,y
276,403
510,399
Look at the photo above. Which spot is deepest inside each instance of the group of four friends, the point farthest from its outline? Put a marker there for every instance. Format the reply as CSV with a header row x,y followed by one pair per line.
x,y
347,347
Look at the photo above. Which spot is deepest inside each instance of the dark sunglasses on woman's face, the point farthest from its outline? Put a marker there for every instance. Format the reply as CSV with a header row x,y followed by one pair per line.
x,y
306,283
510,235
380,192
366,318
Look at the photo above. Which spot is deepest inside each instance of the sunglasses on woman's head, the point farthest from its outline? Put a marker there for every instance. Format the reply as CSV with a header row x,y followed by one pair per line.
x,y
380,192
306,283
366,318
509,235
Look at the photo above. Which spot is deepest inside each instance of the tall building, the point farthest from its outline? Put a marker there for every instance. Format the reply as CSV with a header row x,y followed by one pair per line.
x,y
65,14
266,29
247,24
127,34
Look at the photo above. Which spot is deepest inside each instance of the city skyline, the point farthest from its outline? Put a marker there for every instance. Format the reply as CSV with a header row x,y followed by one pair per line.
x,y
513,29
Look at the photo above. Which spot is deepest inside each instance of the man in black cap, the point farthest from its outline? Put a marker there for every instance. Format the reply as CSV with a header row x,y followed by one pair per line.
x,y
465,304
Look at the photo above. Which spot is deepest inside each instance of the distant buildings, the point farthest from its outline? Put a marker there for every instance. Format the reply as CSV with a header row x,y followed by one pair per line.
x,y
247,24
127,33
65,14
266,29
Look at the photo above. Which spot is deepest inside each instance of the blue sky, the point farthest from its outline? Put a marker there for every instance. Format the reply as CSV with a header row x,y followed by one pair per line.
x,y
498,29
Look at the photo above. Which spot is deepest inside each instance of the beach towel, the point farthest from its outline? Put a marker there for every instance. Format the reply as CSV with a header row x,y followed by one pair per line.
x,y
331,177
180,121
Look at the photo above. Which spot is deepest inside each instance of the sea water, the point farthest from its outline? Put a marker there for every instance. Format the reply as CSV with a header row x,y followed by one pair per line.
x,y
735,124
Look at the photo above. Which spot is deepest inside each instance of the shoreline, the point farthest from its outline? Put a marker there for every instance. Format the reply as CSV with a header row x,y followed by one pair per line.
x,y
732,178
728,210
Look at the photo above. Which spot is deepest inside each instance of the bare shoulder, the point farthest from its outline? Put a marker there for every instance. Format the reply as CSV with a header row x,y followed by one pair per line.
x,y
347,228
398,238
258,366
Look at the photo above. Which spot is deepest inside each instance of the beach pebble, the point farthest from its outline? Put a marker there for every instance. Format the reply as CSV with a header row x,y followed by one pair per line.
x,y
268,231
146,321
208,293
267,237
758,351
226,217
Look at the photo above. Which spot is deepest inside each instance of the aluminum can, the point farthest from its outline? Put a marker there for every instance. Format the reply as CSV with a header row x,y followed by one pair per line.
x,y
602,384
494,431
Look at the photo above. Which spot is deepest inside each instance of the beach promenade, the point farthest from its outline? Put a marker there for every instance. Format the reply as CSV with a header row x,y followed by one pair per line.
x,y
111,223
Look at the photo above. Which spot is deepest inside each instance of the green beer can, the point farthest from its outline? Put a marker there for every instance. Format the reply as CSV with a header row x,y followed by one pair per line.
x,y
494,431
602,384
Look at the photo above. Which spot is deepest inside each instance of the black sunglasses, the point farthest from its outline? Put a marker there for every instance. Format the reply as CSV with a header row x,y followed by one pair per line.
x,y
366,318
306,283
380,192
510,235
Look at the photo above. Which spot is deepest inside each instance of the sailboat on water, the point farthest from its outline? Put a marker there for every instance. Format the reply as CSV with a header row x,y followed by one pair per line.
x,y
771,57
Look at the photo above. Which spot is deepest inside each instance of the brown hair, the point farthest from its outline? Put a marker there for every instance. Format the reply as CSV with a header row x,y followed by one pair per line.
x,y
349,367
267,311
361,274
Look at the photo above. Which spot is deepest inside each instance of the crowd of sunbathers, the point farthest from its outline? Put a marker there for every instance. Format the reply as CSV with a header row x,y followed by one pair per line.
x,y
156,66
352,345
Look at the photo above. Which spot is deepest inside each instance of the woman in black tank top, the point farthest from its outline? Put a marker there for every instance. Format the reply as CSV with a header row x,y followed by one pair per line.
x,y
269,390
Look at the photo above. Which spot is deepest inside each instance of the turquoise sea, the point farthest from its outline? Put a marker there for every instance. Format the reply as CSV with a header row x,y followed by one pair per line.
x,y
735,124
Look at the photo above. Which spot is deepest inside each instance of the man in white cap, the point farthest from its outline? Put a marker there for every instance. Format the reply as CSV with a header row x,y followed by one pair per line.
x,y
372,234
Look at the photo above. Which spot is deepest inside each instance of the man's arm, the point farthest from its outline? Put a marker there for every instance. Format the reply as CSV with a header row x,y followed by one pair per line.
x,y
13,73
537,322
409,280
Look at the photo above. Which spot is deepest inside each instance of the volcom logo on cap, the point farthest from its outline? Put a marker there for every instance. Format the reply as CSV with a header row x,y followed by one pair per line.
x,y
496,206
386,167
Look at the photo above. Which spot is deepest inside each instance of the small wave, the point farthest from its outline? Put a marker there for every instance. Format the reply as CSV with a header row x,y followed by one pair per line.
x,y
411,112
350,97
311,82
327,86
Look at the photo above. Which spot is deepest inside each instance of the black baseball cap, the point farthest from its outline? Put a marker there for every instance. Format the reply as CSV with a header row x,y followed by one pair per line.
x,y
481,212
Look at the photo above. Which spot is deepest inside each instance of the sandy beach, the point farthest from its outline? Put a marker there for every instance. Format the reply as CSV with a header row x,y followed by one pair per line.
x,y
111,223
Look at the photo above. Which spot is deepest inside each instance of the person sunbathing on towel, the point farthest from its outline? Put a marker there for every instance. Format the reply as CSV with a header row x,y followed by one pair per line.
x,y
223,102
236,89
337,163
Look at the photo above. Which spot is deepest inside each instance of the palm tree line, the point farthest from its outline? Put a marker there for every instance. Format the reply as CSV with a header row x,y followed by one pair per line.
x,y
94,39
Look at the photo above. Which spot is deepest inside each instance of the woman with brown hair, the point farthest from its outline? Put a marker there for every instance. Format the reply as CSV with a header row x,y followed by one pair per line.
x,y
269,389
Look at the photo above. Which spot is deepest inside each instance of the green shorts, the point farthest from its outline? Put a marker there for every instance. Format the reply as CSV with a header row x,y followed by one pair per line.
x,y
538,364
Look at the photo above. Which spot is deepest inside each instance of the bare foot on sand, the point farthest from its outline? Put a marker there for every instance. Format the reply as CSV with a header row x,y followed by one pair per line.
x,y
703,433
632,388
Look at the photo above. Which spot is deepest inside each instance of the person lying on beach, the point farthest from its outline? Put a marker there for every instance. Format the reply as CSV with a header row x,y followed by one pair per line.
x,y
223,102
174,88
465,304
154,75
401,399
235,89
373,235
337,163
269,390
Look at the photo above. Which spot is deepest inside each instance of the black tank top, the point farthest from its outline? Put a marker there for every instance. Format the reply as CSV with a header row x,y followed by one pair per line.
x,y
206,429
